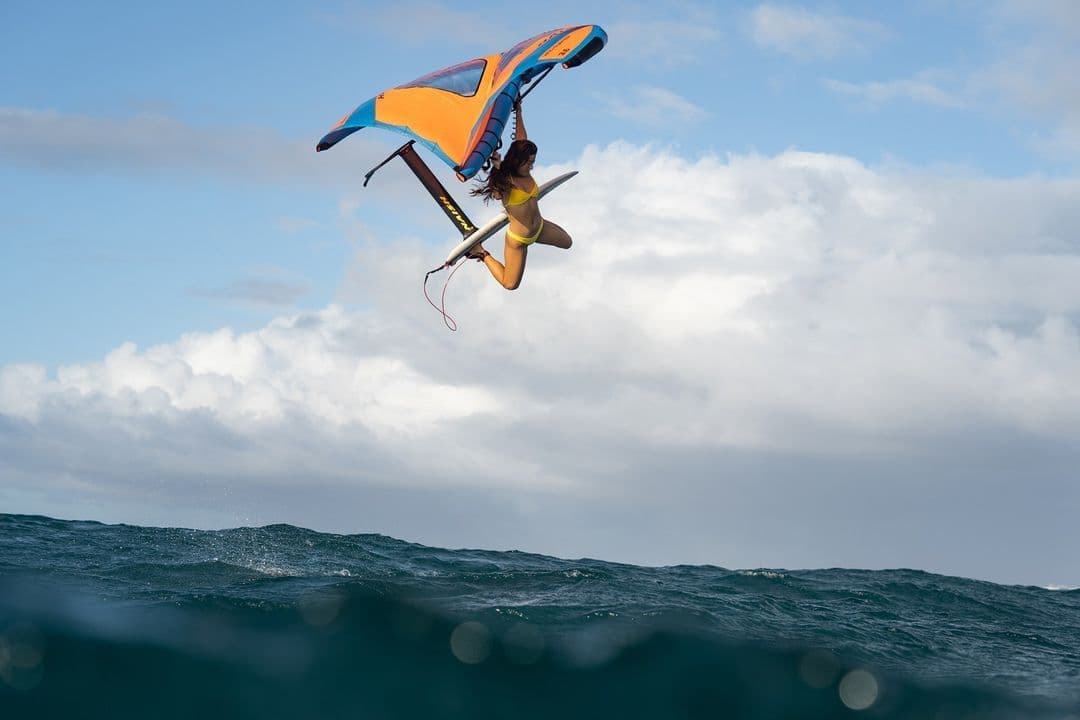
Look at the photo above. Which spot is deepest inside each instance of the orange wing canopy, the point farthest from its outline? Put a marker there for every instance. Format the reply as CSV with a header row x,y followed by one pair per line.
x,y
460,112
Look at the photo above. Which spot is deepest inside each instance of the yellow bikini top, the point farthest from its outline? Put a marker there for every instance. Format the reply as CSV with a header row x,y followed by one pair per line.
x,y
518,196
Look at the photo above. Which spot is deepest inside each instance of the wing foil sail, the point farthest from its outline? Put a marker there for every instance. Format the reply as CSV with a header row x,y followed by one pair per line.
x,y
460,112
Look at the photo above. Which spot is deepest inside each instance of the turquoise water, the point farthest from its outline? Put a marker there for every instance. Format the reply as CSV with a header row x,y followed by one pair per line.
x,y
122,621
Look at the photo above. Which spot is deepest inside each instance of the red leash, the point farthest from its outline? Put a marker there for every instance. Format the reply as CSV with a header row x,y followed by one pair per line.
x,y
447,319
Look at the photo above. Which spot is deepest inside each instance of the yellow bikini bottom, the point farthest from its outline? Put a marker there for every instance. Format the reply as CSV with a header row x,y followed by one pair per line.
x,y
526,240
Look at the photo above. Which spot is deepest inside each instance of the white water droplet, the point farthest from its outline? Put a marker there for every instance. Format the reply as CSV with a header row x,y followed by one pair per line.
x,y
859,690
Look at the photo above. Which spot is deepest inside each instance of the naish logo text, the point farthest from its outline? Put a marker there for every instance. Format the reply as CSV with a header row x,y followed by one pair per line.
x,y
455,214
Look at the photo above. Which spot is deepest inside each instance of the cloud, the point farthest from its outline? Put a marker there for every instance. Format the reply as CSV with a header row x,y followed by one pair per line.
x,y
683,34
293,225
257,291
926,88
1035,59
295,366
807,35
1036,71
768,352
1059,17
416,23
160,146
654,107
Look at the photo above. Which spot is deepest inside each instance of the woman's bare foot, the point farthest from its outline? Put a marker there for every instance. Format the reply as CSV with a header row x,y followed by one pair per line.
x,y
477,253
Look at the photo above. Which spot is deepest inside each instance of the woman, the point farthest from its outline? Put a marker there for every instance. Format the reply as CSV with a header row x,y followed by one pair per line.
x,y
510,182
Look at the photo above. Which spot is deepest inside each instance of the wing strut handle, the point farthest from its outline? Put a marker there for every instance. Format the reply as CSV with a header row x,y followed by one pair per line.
x,y
438,192
392,155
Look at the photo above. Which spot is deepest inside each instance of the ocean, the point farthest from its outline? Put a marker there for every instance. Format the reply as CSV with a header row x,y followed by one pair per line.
x,y
119,621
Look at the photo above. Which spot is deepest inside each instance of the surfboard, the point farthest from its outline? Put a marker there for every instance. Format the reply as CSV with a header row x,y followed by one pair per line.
x,y
498,222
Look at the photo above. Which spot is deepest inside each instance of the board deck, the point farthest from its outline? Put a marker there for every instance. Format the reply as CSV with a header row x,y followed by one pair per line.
x,y
498,222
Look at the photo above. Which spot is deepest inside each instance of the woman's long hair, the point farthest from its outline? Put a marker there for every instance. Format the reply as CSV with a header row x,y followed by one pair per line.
x,y
497,184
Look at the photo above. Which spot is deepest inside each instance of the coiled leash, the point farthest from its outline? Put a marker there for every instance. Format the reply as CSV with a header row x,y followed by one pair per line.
x,y
448,320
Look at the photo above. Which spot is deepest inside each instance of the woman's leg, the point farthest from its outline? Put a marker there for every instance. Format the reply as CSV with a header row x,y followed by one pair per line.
x,y
509,275
552,234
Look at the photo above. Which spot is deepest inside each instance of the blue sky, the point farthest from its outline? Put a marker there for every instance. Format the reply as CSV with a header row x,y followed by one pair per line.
x,y
162,202
89,226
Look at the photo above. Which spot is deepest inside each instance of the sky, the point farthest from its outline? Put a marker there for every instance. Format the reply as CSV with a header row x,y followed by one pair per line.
x,y
822,307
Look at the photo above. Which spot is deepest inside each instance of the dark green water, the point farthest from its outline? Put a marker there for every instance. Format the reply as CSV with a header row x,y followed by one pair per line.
x,y
122,621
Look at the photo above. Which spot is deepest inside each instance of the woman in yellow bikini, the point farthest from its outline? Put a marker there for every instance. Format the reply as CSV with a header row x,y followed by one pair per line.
x,y
510,181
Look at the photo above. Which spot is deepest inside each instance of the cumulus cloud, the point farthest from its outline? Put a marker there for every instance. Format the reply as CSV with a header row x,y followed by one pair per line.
x,y
742,329
298,366
799,290
808,35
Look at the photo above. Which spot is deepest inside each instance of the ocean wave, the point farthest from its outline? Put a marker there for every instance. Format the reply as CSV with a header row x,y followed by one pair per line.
x,y
268,608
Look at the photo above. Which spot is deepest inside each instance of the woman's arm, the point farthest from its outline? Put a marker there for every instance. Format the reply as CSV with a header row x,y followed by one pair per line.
x,y
519,123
